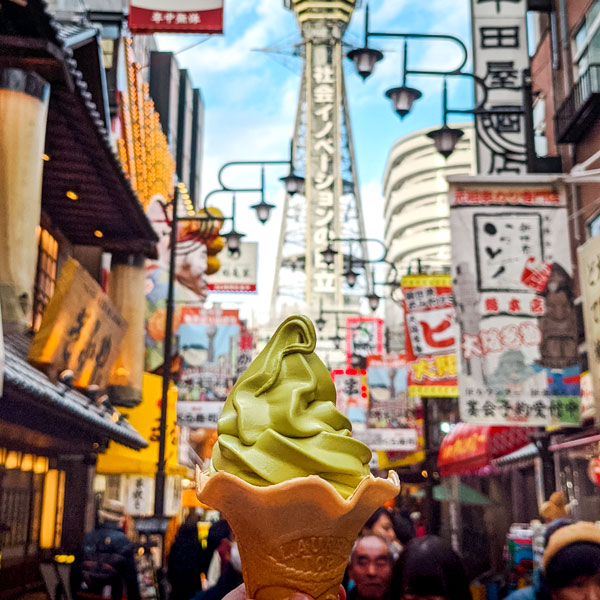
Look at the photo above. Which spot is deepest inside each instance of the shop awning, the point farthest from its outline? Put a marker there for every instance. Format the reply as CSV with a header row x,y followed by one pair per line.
x,y
466,495
30,397
81,157
469,447
523,457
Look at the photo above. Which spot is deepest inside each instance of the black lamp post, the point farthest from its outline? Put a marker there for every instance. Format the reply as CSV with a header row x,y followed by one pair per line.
x,y
403,97
233,238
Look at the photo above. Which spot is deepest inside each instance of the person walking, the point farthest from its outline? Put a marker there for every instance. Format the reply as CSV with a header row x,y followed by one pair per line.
x,y
104,566
370,569
429,568
185,561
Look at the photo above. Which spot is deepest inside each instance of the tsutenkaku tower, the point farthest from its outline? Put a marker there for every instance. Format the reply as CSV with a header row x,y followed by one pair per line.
x,y
323,153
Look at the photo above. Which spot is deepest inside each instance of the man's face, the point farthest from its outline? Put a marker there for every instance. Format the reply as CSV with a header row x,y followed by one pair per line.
x,y
583,588
371,568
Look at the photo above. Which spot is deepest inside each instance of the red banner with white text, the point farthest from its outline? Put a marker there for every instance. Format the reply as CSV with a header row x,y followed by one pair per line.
x,y
176,16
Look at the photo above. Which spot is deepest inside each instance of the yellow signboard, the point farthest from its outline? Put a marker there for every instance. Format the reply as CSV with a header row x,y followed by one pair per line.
x,y
81,329
145,418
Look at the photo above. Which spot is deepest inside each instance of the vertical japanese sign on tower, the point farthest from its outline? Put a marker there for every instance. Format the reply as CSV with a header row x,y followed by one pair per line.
x,y
323,25
431,335
499,58
512,281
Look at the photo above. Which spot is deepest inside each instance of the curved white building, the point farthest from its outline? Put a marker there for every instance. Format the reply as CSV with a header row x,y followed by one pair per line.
x,y
416,208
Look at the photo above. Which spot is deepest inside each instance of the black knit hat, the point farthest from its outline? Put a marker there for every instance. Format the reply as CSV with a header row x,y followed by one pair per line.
x,y
579,559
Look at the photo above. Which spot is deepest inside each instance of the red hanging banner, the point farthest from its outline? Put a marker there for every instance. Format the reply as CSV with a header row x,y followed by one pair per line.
x,y
176,16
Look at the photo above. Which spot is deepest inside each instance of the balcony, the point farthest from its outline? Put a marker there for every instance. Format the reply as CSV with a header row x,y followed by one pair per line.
x,y
581,107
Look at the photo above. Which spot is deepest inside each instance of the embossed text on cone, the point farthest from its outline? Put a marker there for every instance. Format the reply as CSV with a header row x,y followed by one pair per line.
x,y
294,536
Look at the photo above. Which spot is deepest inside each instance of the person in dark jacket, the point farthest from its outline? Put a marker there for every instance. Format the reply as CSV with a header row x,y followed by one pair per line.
x,y
107,548
185,561
428,567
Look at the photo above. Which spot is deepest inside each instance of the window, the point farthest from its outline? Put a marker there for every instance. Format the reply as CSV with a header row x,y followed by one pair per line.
x,y
539,126
586,42
45,278
594,226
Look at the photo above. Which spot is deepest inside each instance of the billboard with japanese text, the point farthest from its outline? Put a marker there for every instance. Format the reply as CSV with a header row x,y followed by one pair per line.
x,y
176,16
208,346
391,419
515,306
364,337
352,398
431,335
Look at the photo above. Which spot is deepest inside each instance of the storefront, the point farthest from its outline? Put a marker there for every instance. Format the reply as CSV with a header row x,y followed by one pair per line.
x,y
66,205
577,468
478,493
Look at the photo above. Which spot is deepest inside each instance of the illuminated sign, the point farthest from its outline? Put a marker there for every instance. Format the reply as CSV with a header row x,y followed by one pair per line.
x,y
81,329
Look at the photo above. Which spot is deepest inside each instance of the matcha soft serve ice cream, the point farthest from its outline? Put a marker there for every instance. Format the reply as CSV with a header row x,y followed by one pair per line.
x,y
280,420
287,475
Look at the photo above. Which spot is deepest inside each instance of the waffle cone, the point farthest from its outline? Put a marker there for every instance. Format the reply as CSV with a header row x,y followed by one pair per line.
x,y
294,536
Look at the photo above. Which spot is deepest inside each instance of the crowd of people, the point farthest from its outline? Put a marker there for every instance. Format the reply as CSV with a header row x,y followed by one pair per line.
x,y
390,560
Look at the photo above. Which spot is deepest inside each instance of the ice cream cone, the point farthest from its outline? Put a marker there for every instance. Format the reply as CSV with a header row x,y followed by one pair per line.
x,y
294,536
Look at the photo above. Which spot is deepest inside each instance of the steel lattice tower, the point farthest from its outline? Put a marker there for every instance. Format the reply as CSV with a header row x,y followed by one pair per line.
x,y
323,153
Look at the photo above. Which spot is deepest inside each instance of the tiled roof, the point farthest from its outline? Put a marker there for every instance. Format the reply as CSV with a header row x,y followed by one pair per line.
x,y
20,376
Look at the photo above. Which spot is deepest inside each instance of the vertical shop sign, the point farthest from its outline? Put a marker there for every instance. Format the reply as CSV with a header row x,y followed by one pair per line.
x,y
81,329
364,337
352,399
208,342
431,335
140,495
499,57
387,380
588,257
176,16
512,280
391,419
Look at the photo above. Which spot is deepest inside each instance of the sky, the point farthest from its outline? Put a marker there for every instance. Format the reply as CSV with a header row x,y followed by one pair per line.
x,y
250,81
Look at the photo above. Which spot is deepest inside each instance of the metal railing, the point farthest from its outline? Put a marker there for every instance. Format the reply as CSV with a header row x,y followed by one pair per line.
x,y
569,111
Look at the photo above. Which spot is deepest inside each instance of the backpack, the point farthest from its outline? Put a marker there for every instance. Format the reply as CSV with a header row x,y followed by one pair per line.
x,y
102,571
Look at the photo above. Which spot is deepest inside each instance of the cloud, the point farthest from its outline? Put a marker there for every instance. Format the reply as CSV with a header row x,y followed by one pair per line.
x,y
251,100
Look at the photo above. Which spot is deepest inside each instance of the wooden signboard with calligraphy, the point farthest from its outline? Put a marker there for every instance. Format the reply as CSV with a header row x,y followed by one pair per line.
x,y
81,329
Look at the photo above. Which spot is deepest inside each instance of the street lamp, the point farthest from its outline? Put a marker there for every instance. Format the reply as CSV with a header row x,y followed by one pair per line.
x,y
373,299
329,255
403,97
233,240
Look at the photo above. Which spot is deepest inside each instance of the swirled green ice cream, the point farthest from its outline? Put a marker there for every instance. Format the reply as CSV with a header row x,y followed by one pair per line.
x,y
280,422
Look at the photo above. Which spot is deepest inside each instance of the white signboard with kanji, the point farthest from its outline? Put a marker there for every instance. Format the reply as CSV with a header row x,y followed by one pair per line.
x,y
396,439
512,280
199,415
140,495
238,272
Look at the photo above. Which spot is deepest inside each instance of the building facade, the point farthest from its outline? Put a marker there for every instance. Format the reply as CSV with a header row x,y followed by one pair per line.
x,y
565,67
416,203
417,230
